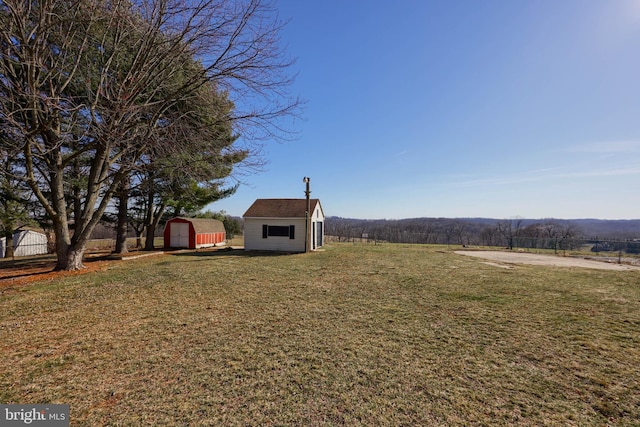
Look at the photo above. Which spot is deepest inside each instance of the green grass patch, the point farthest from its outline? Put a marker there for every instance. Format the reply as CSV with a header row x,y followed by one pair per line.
x,y
353,335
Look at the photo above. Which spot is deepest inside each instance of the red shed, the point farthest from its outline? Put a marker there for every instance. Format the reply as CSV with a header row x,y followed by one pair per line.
x,y
193,233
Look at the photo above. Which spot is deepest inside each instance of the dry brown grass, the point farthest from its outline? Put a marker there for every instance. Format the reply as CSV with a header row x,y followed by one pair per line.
x,y
354,335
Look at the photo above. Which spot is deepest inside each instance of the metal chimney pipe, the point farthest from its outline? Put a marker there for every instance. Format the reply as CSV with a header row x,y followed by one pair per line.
x,y
307,238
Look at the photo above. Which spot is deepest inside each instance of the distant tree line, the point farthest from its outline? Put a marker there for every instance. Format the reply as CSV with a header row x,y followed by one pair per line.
x,y
509,233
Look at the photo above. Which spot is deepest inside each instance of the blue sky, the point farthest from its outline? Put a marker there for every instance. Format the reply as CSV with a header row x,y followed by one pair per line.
x,y
461,108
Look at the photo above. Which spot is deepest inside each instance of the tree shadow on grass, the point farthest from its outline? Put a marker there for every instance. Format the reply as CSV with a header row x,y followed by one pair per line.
x,y
231,252
28,270
32,270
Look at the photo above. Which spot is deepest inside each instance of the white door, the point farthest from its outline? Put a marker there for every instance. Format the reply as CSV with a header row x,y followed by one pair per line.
x,y
179,235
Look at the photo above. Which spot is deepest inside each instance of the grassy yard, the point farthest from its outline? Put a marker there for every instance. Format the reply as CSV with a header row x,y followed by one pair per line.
x,y
354,335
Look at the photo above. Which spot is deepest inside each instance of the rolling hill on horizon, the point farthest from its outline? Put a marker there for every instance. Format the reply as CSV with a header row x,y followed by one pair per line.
x,y
586,228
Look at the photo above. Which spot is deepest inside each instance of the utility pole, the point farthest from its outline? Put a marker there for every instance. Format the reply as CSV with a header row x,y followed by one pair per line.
x,y
307,238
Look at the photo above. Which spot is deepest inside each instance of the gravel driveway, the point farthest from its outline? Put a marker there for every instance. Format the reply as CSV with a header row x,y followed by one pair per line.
x,y
536,259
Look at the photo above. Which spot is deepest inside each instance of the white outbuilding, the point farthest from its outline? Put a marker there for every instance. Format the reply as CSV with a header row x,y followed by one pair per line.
x,y
26,242
283,225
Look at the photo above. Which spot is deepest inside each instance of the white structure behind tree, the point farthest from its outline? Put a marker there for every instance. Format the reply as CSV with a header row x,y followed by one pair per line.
x,y
26,242
280,225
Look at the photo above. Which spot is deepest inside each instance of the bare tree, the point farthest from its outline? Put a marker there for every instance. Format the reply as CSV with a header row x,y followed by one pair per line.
x,y
488,236
185,177
95,78
510,229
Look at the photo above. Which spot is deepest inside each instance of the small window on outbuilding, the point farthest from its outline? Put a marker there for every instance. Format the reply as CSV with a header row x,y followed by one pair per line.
x,y
278,231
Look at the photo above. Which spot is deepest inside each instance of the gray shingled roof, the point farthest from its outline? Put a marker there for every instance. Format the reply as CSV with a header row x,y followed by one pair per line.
x,y
279,208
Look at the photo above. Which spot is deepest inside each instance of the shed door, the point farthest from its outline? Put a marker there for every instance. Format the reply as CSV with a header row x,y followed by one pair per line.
x,y
179,235
320,233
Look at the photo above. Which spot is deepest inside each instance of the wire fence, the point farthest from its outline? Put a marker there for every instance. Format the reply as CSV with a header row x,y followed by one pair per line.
x,y
631,247
612,250
25,247
555,244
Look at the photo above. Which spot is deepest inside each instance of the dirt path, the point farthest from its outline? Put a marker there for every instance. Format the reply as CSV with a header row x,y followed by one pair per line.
x,y
536,259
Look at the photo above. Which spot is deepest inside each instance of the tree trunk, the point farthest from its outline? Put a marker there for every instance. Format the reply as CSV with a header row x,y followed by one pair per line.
x,y
149,243
123,212
74,259
151,229
62,253
70,256
8,247
121,232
